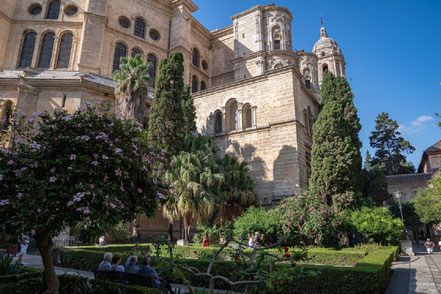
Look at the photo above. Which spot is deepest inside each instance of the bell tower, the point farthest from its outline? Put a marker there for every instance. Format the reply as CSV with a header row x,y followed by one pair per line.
x,y
329,56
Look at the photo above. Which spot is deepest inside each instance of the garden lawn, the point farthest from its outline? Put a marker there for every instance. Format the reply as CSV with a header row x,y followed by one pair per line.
x,y
369,274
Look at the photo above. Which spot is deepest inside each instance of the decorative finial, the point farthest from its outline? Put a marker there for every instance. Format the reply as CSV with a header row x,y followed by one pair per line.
x,y
321,20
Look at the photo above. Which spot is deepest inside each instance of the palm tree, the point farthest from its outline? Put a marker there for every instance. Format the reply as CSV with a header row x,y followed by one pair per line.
x,y
237,189
195,180
131,91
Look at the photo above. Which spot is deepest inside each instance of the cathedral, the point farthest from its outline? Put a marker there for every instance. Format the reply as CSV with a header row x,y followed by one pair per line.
x,y
252,91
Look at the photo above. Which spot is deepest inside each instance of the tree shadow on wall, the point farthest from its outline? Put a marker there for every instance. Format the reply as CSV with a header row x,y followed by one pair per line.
x,y
257,166
285,173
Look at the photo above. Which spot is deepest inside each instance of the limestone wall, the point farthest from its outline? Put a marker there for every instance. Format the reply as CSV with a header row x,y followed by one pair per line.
x,y
271,147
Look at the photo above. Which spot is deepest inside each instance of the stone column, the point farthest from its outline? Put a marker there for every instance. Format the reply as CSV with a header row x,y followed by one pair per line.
x,y
253,116
55,53
36,51
239,117
259,37
223,120
73,53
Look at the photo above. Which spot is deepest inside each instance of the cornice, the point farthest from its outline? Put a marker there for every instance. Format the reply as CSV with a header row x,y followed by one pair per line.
x,y
187,3
39,84
218,33
259,128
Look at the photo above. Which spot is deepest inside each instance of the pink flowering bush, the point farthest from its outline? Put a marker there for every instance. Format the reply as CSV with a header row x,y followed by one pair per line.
x,y
62,169
308,218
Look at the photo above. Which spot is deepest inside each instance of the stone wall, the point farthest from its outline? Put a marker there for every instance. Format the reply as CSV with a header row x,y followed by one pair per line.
x,y
274,147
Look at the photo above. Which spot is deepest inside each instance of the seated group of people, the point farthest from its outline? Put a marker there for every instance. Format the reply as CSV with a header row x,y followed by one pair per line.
x,y
255,241
113,263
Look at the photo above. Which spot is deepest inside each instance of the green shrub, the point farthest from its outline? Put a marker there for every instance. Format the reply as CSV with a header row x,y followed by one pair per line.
x,y
377,223
8,266
72,285
27,273
257,220
365,273
308,218
315,255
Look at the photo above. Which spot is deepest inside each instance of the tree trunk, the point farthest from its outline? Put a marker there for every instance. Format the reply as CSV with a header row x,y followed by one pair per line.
x,y
44,244
170,233
187,232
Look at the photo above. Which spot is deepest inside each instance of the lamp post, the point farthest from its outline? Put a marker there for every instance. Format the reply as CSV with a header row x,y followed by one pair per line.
x,y
398,196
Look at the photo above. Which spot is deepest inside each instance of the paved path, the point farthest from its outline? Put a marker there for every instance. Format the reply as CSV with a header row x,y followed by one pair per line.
x,y
419,274
36,262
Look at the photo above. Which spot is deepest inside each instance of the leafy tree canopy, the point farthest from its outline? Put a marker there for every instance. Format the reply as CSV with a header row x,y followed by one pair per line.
x,y
132,81
167,124
390,147
411,218
377,223
336,160
428,202
73,167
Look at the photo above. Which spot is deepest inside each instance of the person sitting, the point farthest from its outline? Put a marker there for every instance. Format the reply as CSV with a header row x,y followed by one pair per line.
x,y
116,260
147,271
131,266
250,240
105,265
206,241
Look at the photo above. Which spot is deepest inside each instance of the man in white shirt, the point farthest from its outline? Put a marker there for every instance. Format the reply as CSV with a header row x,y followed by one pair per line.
x,y
23,239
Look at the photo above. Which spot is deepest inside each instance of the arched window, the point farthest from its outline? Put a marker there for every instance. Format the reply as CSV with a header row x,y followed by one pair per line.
x,y
231,115
218,122
136,51
152,69
278,65
276,33
27,50
195,59
194,84
6,112
139,28
53,10
47,46
203,86
65,51
120,51
246,116
325,68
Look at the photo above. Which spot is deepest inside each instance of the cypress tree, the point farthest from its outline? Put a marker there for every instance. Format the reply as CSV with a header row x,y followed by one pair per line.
x,y
336,160
166,117
189,112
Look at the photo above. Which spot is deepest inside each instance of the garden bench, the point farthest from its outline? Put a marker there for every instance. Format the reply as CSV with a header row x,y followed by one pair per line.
x,y
124,278
12,249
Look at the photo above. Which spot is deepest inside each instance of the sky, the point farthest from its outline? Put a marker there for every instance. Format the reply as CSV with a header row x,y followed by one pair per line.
x,y
392,49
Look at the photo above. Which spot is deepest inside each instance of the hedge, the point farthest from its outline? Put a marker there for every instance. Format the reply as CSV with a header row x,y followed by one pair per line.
x,y
369,275
28,273
68,284
324,256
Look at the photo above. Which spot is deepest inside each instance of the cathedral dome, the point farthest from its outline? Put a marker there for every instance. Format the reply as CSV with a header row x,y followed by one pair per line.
x,y
325,44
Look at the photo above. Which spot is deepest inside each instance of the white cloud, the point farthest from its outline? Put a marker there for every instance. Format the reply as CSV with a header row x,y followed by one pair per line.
x,y
417,125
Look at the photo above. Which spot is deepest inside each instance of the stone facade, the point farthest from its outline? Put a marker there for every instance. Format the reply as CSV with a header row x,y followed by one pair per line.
x,y
252,91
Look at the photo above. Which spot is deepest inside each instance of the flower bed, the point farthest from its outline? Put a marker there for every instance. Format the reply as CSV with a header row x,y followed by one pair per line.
x,y
369,275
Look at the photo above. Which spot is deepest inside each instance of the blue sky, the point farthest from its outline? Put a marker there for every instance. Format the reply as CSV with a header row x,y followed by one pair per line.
x,y
392,49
